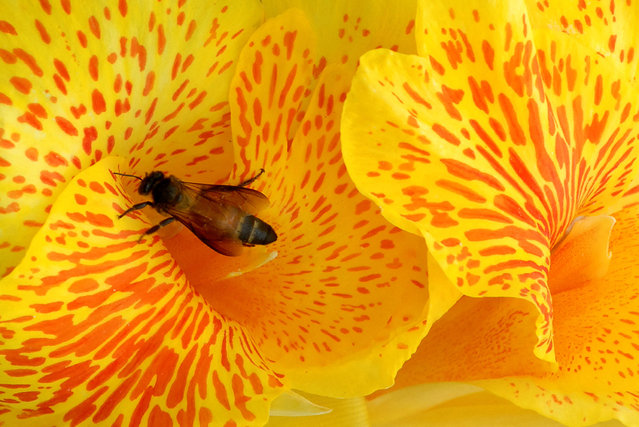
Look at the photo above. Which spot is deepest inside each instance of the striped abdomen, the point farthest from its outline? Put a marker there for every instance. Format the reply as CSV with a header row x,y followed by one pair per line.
x,y
253,231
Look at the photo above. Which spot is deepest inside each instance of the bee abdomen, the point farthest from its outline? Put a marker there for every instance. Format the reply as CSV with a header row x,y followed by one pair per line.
x,y
254,231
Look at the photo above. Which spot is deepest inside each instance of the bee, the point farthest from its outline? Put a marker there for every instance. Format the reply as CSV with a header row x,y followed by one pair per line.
x,y
222,216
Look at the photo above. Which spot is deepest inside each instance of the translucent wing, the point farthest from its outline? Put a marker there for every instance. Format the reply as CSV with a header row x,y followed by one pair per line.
x,y
250,201
213,212
211,227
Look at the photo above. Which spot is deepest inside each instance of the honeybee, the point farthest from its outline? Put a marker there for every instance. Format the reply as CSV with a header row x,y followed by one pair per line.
x,y
222,216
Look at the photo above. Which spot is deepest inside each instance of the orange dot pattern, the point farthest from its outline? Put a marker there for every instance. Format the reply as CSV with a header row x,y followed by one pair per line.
x,y
491,145
342,280
606,28
81,82
110,331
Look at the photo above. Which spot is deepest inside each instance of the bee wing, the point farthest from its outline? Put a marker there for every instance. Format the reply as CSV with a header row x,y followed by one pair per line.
x,y
210,230
249,200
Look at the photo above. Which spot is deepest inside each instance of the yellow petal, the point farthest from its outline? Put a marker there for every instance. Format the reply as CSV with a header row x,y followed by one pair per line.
x,y
348,29
481,227
269,91
478,338
595,334
594,106
609,29
83,81
583,255
594,329
338,299
447,404
97,328
464,147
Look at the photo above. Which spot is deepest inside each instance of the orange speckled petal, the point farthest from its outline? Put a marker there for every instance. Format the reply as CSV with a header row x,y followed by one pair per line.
x,y
348,29
596,113
498,341
80,81
480,226
478,338
595,330
97,328
464,147
269,91
607,28
596,344
336,301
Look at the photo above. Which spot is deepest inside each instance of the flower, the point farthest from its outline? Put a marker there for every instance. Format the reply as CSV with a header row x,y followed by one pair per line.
x,y
98,328
509,144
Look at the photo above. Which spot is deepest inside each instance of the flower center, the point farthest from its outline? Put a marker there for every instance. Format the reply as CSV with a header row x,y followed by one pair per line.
x,y
218,278
582,255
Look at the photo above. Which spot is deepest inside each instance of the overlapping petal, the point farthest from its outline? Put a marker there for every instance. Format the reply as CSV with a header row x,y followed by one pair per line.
x,y
97,328
490,146
595,327
333,303
349,29
81,81
446,404
508,150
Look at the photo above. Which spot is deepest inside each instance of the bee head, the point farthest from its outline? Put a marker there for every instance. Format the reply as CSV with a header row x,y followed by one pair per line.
x,y
150,181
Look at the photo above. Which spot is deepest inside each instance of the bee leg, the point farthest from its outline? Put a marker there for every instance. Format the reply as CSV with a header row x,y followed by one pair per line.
x,y
156,227
135,208
248,181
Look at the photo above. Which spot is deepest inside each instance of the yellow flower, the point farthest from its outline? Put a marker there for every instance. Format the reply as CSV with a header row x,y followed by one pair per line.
x,y
510,145
97,328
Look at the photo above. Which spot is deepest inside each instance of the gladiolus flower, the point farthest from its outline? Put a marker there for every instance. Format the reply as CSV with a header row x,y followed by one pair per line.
x,y
510,144
99,328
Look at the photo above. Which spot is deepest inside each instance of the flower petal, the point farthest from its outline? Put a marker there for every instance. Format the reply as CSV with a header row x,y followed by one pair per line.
x,y
595,109
478,338
81,81
344,412
596,346
446,404
479,227
610,30
110,331
595,327
583,255
268,93
348,29
336,300
455,146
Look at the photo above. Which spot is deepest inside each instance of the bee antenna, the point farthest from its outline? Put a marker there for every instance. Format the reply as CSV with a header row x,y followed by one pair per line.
x,y
126,174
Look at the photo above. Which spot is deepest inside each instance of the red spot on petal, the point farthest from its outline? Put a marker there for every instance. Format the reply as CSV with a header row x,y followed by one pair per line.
x,y
29,61
90,135
94,26
7,28
122,7
32,154
54,159
66,126
93,68
150,79
4,99
99,105
46,6
21,84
